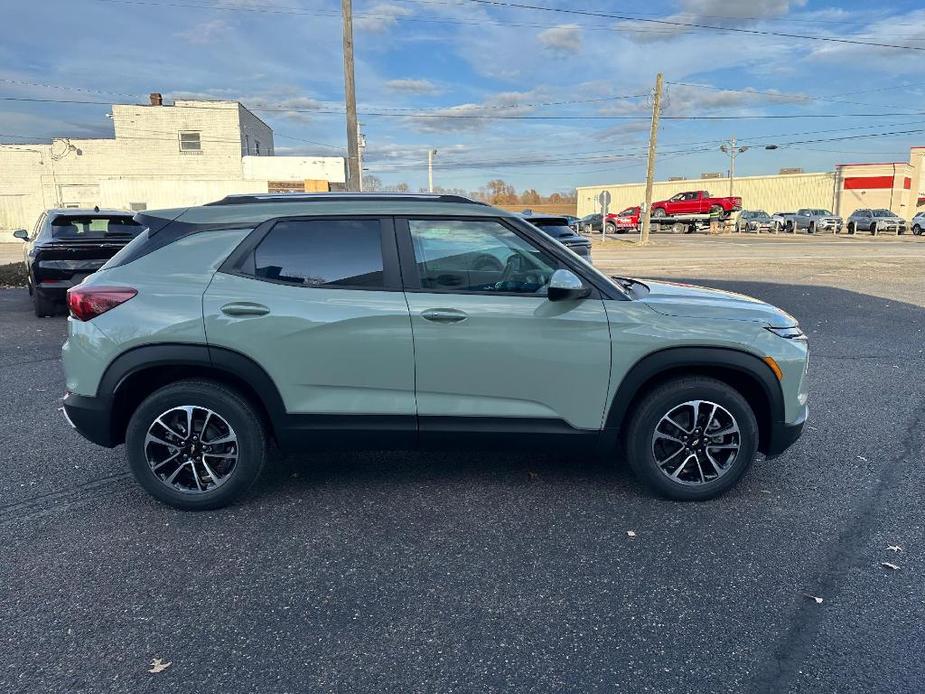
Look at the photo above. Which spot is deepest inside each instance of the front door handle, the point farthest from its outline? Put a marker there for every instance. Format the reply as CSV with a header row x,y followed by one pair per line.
x,y
244,308
444,315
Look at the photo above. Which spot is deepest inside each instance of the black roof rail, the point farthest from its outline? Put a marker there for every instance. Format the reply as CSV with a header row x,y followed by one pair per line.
x,y
252,198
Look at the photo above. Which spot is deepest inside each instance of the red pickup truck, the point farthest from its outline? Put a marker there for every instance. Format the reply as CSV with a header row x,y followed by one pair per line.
x,y
694,202
627,220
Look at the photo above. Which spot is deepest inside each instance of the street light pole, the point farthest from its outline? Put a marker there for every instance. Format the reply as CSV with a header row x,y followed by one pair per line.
x,y
431,153
731,148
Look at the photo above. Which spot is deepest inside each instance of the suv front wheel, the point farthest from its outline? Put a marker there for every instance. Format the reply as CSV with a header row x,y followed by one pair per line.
x,y
196,445
691,439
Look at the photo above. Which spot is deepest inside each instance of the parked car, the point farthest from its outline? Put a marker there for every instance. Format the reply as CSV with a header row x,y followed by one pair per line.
x,y
695,202
558,228
918,223
570,219
812,220
778,219
627,220
372,320
65,246
754,220
876,221
590,222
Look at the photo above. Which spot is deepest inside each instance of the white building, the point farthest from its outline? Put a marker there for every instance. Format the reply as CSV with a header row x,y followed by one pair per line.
x,y
186,153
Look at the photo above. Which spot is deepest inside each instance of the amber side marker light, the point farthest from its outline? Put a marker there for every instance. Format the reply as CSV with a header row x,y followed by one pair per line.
x,y
774,367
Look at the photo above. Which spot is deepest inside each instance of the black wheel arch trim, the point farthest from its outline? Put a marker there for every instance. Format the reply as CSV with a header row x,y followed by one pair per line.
x,y
653,365
234,364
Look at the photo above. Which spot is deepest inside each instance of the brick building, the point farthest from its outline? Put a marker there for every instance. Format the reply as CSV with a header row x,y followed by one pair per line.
x,y
162,155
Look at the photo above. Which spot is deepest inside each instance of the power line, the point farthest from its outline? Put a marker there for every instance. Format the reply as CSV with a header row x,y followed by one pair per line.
x,y
693,25
482,116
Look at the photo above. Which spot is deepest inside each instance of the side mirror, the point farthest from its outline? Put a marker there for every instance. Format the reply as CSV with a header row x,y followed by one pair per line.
x,y
21,234
565,285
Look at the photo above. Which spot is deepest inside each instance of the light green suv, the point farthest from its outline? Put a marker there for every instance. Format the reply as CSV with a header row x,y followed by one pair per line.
x,y
402,321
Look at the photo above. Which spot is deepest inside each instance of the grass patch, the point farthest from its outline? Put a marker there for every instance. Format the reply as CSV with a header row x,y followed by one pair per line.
x,y
13,275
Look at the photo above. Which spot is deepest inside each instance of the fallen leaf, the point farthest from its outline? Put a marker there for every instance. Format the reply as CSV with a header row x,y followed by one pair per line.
x,y
888,565
158,665
894,548
631,533
861,457
817,600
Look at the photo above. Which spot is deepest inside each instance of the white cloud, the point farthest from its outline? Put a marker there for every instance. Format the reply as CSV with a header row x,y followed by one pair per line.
x,y
565,38
206,32
710,12
380,18
473,116
412,86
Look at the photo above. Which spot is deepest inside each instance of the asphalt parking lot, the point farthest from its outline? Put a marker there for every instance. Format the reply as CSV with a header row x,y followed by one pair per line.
x,y
498,572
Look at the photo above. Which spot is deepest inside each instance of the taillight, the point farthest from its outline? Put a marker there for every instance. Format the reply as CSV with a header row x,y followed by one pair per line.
x,y
89,302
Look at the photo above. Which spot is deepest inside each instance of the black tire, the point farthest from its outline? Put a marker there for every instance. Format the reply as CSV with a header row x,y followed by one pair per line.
x,y
789,228
223,401
661,401
917,230
43,305
873,229
851,229
659,212
811,229
611,229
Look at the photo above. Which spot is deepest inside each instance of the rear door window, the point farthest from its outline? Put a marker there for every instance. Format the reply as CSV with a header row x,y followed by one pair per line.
x,y
334,253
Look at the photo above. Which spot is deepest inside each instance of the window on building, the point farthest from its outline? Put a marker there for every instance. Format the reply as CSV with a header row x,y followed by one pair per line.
x,y
247,145
257,147
337,253
190,142
137,206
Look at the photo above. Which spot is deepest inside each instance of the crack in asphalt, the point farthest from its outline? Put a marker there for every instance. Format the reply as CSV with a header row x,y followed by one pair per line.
x,y
844,555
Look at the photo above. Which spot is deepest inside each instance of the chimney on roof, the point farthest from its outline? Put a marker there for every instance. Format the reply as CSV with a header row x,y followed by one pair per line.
x,y
156,99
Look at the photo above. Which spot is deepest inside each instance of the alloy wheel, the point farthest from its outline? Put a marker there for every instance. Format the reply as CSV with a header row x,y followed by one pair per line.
x,y
191,449
696,442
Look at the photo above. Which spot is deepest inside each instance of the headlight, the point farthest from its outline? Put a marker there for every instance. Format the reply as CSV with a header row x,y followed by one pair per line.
x,y
793,333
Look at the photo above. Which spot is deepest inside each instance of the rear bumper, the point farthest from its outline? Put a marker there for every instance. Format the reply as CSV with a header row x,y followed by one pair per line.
x,y
783,434
91,417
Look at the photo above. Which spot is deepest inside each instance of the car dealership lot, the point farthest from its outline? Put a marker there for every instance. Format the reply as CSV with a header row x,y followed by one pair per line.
x,y
498,572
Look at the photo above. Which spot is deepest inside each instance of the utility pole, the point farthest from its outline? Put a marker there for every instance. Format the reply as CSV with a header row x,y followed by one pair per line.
x,y
354,174
431,153
731,148
650,166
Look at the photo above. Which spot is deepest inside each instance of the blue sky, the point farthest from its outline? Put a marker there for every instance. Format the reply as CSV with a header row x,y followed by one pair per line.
x,y
423,63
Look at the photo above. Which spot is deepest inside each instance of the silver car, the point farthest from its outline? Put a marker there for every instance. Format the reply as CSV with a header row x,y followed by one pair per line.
x,y
876,221
918,223
754,220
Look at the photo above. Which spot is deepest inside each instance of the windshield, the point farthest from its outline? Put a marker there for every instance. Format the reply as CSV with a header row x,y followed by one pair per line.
x,y
91,227
760,214
882,213
820,213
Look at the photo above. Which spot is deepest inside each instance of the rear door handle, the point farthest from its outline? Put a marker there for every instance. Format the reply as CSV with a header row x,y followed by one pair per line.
x,y
244,308
444,315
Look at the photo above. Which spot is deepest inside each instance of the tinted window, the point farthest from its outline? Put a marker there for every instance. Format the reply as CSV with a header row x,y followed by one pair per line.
x,y
557,228
478,256
93,227
322,253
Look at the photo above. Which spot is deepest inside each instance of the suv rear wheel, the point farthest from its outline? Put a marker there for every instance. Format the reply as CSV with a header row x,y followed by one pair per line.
x,y
196,445
691,439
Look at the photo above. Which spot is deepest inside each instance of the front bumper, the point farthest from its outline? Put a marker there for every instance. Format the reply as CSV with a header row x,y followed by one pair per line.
x,y
783,434
91,417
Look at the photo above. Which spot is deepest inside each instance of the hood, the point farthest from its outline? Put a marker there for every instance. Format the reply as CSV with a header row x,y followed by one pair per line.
x,y
691,301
